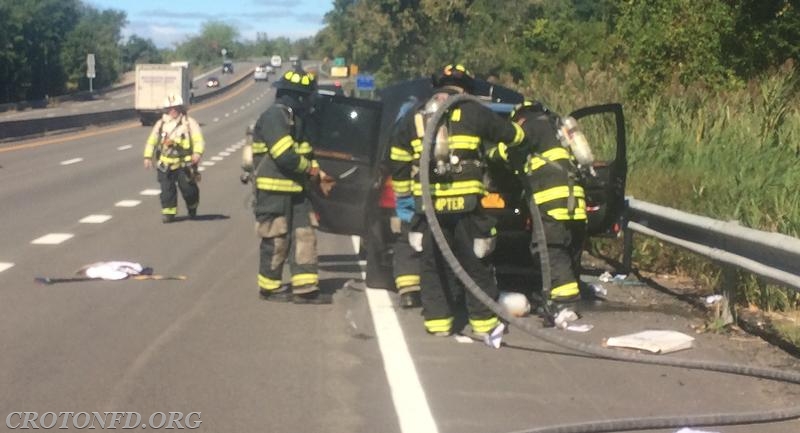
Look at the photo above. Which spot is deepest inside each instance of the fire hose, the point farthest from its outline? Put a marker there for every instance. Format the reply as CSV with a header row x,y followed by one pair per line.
x,y
615,425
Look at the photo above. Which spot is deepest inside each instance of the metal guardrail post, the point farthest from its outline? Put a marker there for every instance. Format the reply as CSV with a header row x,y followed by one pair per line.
x,y
627,243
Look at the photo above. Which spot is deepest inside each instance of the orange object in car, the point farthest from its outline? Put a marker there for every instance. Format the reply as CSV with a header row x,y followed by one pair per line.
x,y
387,195
493,201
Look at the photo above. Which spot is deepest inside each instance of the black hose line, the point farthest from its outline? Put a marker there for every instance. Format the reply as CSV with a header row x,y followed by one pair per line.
x,y
623,424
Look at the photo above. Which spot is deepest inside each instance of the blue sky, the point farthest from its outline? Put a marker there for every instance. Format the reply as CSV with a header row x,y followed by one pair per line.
x,y
171,21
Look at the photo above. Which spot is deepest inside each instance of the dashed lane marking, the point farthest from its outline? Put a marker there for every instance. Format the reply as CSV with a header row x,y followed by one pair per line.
x,y
207,163
52,239
216,119
95,219
226,153
127,203
125,147
217,158
201,169
150,192
5,265
71,161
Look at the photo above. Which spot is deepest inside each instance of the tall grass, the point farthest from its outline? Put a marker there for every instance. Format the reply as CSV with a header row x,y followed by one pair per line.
x,y
729,155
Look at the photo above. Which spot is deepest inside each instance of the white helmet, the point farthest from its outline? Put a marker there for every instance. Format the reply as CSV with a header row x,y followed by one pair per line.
x,y
515,303
173,101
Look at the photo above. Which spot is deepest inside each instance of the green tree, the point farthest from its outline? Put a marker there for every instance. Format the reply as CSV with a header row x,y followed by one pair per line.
x,y
99,33
138,50
205,49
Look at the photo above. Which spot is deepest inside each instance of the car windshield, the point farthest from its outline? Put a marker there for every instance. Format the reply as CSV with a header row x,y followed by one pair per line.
x,y
348,126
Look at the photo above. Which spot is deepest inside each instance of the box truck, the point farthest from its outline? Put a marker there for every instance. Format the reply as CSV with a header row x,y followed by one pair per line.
x,y
154,82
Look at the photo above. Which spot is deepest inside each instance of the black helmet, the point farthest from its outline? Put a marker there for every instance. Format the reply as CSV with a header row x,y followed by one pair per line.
x,y
297,82
528,106
455,75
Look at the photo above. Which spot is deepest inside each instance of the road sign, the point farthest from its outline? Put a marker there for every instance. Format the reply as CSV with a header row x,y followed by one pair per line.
x,y
90,73
365,82
224,52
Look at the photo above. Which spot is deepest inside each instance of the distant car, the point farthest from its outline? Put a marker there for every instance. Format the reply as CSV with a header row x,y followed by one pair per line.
x,y
270,69
276,61
227,67
330,89
295,61
261,72
212,82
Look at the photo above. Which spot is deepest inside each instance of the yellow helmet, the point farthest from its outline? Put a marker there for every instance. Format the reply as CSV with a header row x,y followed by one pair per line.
x,y
455,75
296,81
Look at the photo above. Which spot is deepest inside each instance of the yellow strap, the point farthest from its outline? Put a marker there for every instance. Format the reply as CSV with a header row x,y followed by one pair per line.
x,y
283,185
556,193
399,154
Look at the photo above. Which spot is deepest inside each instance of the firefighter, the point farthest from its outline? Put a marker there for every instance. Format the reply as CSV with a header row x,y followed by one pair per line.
x,y
175,146
552,180
405,260
283,166
456,189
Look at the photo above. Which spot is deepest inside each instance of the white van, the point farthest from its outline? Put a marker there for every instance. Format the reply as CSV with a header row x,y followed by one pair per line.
x,y
276,61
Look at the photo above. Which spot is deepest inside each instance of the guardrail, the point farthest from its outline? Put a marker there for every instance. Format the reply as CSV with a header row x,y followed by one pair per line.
x,y
15,129
773,256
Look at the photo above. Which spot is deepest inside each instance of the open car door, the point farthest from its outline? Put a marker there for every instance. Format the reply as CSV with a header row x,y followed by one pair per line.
x,y
604,127
344,133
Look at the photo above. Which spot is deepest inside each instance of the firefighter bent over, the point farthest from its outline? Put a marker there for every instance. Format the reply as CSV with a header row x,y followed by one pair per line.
x,y
283,164
176,144
456,189
553,184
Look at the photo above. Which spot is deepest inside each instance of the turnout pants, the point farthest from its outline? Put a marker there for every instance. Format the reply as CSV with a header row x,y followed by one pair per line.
x,y
288,236
442,294
169,192
564,247
405,260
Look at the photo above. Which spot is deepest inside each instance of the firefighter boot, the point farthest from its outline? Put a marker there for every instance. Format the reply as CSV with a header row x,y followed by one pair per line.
x,y
282,294
410,300
311,295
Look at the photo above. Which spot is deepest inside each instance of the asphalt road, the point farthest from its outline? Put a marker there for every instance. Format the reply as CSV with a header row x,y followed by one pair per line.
x,y
122,98
209,345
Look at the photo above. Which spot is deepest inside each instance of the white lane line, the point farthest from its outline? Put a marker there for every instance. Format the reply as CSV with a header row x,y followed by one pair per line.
x,y
207,163
235,110
201,169
127,203
224,153
227,115
217,158
125,147
410,401
71,161
52,239
150,192
5,265
95,219
230,149
216,119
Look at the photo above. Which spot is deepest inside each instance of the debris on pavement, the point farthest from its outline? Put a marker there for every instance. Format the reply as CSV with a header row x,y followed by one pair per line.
x,y
654,341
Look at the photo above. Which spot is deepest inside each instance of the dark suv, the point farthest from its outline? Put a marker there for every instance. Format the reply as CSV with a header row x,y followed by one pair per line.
x,y
351,141
227,67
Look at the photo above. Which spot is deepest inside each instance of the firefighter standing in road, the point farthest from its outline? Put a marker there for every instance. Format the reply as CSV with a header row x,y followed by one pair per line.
x,y
175,146
456,189
552,181
283,166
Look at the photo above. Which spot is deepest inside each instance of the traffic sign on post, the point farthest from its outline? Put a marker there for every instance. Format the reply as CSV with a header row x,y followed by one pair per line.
x,y
365,82
90,73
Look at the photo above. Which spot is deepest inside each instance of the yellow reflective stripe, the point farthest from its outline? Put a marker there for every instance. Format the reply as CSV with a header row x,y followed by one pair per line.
x,y
272,184
553,154
259,147
439,325
483,326
416,144
268,283
148,150
556,193
152,140
562,214
456,115
169,211
303,164
398,154
450,189
500,150
401,187
565,290
463,142
198,143
304,279
406,280
281,146
304,148
519,136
